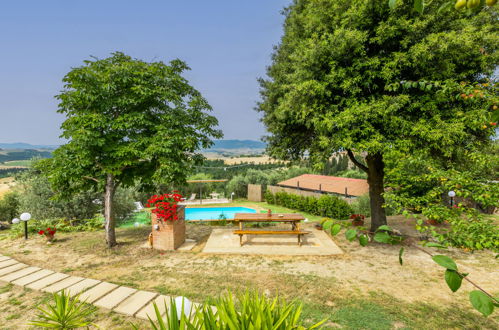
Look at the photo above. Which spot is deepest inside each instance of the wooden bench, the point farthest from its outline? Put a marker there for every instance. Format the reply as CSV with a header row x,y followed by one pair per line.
x,y
300,233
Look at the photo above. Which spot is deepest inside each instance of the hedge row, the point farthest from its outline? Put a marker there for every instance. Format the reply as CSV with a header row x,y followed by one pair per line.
x,y
326,205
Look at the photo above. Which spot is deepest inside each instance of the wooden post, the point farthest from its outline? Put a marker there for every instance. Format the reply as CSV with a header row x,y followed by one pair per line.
x,y
346,192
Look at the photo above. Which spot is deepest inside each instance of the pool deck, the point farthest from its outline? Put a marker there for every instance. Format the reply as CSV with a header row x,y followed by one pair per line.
x,y
205,201
317,243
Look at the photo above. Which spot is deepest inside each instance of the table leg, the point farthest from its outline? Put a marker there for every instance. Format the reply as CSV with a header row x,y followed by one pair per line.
x,y
240,239
299,239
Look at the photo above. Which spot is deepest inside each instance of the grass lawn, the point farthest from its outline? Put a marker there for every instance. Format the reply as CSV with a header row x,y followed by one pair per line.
x,y
365,288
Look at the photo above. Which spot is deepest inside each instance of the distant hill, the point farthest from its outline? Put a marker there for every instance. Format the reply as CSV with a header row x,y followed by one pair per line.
x,y
219,144
22,145
238,144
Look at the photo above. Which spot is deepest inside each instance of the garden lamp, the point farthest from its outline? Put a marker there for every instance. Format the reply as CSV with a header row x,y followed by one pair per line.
x,y
183,305
25,218
452,194
15,221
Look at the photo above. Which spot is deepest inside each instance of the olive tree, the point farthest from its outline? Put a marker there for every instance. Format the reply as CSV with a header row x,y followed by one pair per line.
x,y
358,76
128,122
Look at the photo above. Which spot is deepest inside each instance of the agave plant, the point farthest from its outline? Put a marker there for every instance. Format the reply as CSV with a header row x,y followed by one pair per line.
x,y
255,312
64,313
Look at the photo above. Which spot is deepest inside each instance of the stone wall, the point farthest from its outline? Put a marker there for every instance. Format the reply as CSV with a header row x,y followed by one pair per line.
x,y
255,192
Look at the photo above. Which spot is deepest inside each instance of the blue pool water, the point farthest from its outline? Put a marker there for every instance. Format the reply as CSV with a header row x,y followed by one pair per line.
x,y
208,213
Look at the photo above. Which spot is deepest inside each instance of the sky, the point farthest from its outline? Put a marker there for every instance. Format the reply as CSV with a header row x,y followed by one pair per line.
x,y
227,43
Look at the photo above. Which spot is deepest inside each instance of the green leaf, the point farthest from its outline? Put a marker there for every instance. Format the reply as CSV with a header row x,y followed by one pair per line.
x,y
363,239
437,245
453,279
384,227
401,252
392,3
445,262
335,229
327,224
382,237
419,6
350,234
481,302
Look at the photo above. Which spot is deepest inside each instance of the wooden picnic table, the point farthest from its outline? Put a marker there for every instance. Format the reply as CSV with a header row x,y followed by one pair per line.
x,y
293,218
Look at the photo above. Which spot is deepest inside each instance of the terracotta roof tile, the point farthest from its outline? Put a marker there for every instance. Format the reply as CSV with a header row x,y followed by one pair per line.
x,y
332,184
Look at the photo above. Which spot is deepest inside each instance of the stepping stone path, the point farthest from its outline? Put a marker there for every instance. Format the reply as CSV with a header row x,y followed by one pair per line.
x,y
120,299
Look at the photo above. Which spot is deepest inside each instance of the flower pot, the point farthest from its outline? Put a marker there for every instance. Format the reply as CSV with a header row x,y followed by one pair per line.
x,y
168,235
357,223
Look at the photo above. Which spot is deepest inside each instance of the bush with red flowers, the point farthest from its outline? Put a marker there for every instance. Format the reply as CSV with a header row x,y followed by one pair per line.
x,y
357,217
49,233
165,206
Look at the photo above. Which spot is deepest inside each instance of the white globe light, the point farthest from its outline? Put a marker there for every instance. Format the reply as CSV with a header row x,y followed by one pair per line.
x,y
136,224
15,221
187,306
25,216
452,193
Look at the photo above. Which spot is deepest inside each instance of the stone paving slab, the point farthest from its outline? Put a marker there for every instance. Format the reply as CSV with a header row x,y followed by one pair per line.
x,y
317,243
20,273
97,292
46,281
149,309
56,287
8,262
115,297
87,283
12,268
23,281
3,258
135,302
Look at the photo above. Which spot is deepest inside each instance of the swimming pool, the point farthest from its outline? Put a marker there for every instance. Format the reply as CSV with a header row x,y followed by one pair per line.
x,y
209,213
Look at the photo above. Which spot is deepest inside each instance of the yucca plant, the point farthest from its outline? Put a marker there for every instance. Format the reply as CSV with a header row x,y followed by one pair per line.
x,y
255,312
64,313
258,312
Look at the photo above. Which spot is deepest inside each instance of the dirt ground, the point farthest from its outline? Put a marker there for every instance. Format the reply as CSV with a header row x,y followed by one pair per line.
x,y
325,284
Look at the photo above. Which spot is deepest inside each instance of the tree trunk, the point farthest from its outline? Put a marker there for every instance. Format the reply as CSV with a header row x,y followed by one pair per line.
x,y
108,211
375,179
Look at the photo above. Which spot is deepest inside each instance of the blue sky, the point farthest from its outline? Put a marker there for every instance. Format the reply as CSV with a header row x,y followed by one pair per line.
x,y
226,43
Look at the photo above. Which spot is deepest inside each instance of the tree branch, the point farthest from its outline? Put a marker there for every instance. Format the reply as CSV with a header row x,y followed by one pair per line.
x,y
356,162
90,178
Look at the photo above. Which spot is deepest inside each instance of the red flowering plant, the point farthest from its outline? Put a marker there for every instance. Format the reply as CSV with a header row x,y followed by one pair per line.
x,y
357,217
49,233
165,206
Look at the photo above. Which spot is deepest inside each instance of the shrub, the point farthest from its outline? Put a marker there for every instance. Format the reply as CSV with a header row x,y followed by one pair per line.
x,y
64,313
255,312
9,206
473,234
327,205
62,225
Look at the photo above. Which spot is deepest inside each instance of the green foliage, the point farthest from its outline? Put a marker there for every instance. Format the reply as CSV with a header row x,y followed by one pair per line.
x,y
7,172
326,205
37,197
9,206
62,225
239,183
64,313
128,122
247,311
482,302
474,234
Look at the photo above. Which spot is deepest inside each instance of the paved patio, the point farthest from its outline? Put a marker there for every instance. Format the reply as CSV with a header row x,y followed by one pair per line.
x,y
317,243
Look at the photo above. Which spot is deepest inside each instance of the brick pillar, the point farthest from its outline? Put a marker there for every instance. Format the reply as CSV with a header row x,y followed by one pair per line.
x,y
169,235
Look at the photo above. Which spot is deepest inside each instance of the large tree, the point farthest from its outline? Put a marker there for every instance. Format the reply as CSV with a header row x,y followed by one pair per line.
x,y
128,122
354,75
